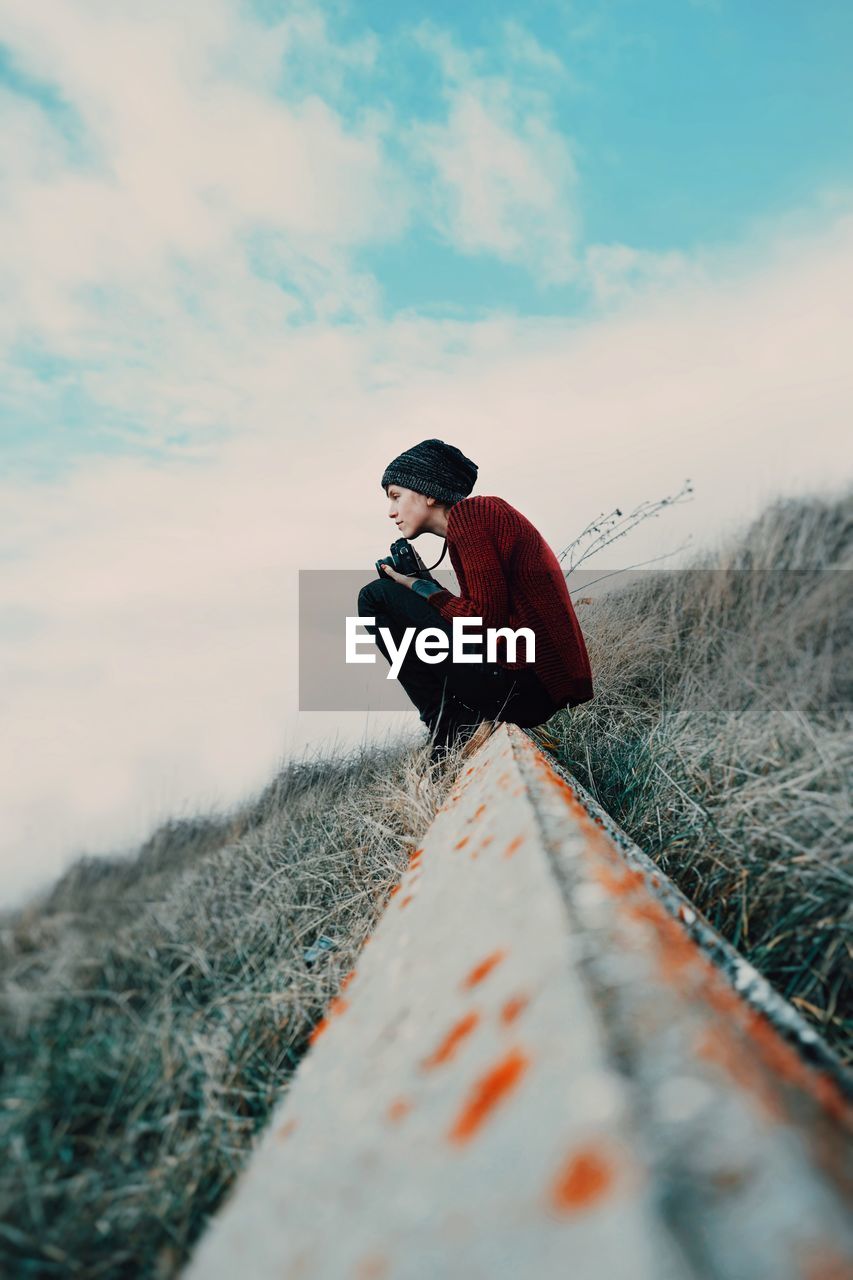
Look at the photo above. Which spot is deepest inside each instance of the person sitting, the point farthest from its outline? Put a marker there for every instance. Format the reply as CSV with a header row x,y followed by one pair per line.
x,y
508,577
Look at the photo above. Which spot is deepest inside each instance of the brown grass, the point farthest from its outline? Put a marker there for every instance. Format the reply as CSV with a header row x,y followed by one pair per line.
x,y
720,740
155,1008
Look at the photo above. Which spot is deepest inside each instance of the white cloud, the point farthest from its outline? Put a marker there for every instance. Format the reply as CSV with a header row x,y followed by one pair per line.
x,y
148,609
523,47
192,152
506,175
150,658
194,210
615,273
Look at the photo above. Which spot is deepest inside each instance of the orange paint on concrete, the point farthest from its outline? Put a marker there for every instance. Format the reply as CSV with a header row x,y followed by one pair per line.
x,y
784,1060
678,952
337,1006
513,846
460,844
318,1030
680,957
285,1130
301,1267
404,902
596,834
481,970
347,980
480,809
488,1092
831,1098
757,1044
373,1266
448,1046
676,949
513,1007
821,1262
396,889
485,841
399,1108
621,880
586,1176
721,1047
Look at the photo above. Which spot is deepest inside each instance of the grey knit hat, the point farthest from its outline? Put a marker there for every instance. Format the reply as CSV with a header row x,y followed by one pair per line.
x,y
439,470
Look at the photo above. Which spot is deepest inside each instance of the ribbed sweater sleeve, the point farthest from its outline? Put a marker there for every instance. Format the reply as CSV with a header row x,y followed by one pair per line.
x,y
486,593
510,577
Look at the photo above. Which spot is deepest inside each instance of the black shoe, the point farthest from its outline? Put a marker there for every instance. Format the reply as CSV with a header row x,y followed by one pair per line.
x,y
454,729
439,753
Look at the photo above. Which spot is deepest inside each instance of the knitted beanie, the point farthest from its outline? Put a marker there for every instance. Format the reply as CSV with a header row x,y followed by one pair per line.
x,y
439,470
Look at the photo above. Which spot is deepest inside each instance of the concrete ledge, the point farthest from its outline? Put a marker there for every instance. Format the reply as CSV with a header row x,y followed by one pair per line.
x,y
545,1064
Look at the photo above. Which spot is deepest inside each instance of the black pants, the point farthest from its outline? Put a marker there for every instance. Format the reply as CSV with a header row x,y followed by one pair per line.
x,y
447,693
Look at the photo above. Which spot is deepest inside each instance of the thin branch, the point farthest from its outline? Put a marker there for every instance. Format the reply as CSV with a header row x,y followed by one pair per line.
x,y
638,565
607,526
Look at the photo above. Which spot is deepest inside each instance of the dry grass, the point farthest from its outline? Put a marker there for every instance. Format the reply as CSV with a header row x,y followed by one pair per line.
x,y
155,1008
720,740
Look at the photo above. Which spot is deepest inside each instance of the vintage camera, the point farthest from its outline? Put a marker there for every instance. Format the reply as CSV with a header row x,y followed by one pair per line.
x,y
404,559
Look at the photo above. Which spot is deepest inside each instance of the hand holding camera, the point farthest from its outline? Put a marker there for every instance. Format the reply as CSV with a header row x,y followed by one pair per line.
x,y
405,563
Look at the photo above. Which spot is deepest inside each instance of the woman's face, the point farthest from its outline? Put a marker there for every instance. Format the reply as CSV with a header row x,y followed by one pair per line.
x,y
409,510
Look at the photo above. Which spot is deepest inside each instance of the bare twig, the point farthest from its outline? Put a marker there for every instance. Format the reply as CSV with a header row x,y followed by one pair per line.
x,y
609,529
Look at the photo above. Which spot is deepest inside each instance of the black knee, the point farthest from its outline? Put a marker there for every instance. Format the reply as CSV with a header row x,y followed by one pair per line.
x,y
379,594
368,597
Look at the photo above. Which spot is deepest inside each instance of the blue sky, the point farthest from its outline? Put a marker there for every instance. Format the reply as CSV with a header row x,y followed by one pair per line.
x,y
687,121
669,129
249,252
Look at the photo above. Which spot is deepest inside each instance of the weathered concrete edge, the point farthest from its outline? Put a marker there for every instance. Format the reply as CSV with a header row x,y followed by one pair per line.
x,y
742,976
761,1192
296,1209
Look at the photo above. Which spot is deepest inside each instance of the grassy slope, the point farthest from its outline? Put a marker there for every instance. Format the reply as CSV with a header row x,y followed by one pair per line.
x,y
154,1009
720,740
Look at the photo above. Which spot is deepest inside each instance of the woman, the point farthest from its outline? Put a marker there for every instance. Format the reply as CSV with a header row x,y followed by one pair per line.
x,y
508,577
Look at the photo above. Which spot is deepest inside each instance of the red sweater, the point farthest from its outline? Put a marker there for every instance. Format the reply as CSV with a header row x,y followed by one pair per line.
x,y
510,577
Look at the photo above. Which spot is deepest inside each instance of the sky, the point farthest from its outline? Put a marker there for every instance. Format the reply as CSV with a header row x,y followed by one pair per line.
x,y
250,252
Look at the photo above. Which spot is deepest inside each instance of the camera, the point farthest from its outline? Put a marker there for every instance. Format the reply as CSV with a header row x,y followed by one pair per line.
x,y
404,559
